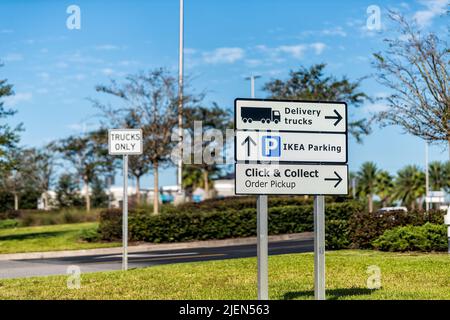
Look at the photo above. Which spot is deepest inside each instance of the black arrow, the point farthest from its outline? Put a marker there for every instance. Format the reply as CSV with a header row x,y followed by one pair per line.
x,y
248,140
338,179
338,117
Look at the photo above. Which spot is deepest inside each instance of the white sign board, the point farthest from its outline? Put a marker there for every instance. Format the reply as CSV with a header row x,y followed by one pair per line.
x,y
291,146
291,179
125,141
251,114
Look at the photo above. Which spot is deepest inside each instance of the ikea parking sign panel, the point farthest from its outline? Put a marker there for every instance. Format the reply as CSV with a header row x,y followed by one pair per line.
x,y
291,147
252,114
125,141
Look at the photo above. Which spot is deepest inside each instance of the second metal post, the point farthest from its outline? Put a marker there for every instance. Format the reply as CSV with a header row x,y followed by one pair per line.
x,y
319,247
262,248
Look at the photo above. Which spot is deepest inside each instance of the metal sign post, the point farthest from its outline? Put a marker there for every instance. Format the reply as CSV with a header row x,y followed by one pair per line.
x,y
319,247
262,247
125,142
125,214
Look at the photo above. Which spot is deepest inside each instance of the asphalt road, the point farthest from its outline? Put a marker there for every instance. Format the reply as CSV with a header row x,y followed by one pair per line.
x,y
54,266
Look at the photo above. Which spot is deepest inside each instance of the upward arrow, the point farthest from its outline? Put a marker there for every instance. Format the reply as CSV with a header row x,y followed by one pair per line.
x,y
248,141
338,117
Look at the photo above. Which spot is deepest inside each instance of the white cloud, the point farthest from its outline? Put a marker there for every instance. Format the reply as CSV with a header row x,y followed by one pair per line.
x,y
6,31
43,75
189,51
433,9
18,98
296,51
318,47
223,55
107,71
106,47
375,107
12,57
42,90
337,31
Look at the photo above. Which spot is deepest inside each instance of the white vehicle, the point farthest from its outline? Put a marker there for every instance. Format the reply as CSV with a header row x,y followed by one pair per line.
x,y
388,209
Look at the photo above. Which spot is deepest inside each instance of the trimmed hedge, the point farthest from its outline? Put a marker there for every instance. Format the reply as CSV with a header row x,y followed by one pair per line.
x,y
27,218
428,237
365,227
229,223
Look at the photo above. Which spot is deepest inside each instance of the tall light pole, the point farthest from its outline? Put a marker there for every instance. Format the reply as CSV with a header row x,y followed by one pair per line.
x,y
252,84
180,101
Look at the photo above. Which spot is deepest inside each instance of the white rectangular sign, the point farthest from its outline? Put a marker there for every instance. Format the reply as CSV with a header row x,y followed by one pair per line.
x,y
125,141
291,146
309,116
252,178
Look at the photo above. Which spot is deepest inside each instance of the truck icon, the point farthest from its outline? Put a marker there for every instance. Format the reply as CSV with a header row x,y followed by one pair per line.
x,y
265,115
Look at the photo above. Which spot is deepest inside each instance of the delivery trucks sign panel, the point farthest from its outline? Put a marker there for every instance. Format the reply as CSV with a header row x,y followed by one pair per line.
x,y
290,115
125,141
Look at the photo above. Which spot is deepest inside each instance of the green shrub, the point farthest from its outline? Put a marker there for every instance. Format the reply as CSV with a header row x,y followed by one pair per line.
x,y
428,237
225,223
89,235
40,217
365,227
8,223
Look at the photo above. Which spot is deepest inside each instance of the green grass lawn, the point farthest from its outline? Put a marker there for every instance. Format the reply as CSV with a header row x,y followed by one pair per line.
x,y
47,238
403,276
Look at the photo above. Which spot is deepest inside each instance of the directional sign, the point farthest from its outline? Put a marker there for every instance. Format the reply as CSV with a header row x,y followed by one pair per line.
x,y
125,141
253,178
252,114
291,146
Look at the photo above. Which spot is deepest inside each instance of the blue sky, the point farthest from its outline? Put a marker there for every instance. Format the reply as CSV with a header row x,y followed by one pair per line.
x,y
55,69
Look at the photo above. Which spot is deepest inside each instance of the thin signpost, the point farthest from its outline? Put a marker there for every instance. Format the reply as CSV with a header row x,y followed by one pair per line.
x,y
291,147
125,142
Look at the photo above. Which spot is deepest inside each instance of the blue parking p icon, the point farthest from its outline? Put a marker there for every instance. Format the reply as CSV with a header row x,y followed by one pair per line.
x,y
271,146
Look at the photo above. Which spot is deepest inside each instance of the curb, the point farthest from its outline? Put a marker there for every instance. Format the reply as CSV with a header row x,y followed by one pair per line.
x,y
151,247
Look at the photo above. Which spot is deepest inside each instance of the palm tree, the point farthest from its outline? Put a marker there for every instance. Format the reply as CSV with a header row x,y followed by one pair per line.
x,y
410,185
367,182
439,174
384,186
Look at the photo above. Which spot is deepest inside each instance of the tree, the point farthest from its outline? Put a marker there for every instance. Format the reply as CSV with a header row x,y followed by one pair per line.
x,y
209,150
384,187
43,164
192,179
99,197
20,176
68,192
89,156
415,67
8,136
367,181
439,176
312,84
409,185
151,101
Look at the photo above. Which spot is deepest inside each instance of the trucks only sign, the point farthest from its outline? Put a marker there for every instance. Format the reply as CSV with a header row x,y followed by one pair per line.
x,y
125,141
